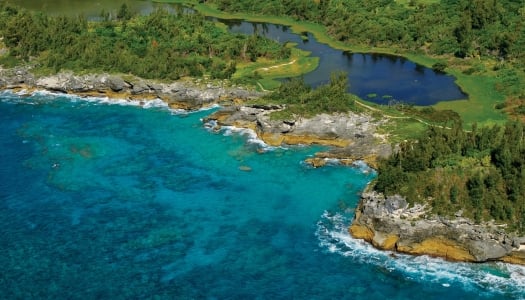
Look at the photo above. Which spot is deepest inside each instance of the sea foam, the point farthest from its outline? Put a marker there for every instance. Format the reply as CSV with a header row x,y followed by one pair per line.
x,y
486,279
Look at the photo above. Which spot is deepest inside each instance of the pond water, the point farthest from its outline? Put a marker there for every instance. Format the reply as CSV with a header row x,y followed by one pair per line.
x,y
378,78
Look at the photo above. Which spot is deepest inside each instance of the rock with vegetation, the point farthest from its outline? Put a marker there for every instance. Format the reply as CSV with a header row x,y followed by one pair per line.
x,y
479,172
352,134
463,196
390,223
186,94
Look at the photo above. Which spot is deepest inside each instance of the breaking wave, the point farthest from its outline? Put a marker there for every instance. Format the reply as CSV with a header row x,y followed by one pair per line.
x,y
488,279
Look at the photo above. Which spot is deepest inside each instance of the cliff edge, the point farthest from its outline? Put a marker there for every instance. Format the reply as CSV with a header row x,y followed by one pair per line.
x,y
389,223
190,94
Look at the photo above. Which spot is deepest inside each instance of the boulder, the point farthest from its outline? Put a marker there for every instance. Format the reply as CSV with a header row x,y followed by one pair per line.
x,y
139,87
116,83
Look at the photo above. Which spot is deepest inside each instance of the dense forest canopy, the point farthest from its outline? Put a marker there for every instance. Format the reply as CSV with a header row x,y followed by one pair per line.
x,y
301,99
481,172
471,29
161,45
462,27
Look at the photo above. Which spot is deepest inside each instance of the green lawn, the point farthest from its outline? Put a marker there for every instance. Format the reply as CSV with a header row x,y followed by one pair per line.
x,y
482,99
300,62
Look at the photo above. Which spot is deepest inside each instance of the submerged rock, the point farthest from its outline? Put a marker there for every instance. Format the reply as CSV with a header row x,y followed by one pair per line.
x,y
390,224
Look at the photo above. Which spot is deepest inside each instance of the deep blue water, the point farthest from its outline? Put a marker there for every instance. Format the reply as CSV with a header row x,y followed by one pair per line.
x,y
102,201
378,78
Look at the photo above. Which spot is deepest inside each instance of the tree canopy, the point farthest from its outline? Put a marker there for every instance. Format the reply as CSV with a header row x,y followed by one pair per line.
x,y
481,172
161,45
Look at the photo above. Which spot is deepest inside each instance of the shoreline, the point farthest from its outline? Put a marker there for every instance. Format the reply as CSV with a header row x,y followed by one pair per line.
x,y
189,94
389,223
350,136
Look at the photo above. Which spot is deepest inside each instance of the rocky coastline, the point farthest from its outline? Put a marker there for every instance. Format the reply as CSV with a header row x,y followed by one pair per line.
x,y
352,136
389,223
188,94
386,222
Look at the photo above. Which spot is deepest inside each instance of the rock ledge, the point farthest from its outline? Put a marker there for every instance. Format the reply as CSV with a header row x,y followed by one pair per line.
x,y
390,224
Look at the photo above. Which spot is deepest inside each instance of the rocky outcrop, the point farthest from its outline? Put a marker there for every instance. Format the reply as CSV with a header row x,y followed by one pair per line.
x,y
188,94
352,135
389,223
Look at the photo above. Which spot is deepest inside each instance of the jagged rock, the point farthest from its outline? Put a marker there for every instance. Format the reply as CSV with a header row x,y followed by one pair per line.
x,y
139,87
180,94
116,83
268,106
337,130
156,87
382,220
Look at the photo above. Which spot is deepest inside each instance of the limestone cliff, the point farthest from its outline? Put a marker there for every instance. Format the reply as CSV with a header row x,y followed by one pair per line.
x,y
389,223
183,94
351,135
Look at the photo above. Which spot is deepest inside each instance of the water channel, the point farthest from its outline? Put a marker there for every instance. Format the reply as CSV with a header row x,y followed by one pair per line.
x,y
377,78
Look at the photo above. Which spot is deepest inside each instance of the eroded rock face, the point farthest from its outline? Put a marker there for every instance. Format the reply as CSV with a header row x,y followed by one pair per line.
x,y
352,135
182,94
390,224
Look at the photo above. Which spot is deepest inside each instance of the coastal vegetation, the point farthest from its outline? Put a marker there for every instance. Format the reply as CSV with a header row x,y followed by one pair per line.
x,y
477,173
300,99
161,45
479,42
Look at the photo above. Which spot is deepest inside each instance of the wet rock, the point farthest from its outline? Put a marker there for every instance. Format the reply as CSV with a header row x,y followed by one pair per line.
x,y
337,130
139,87
180,94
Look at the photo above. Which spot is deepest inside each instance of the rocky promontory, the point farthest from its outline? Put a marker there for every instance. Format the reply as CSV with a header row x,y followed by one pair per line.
x,y
390,223
352,136
183,94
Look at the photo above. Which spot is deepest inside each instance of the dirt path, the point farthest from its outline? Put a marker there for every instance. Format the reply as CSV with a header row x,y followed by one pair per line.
x,y
394,117
277,66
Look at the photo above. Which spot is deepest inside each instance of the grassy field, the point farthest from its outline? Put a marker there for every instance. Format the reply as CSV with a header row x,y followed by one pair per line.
x,y
482,99
299,63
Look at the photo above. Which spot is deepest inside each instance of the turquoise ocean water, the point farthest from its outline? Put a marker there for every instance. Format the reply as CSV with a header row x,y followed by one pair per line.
x,y
117,201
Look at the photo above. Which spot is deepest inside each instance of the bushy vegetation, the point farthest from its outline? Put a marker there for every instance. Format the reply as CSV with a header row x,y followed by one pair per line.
x,y
481,172
461,28
301,99
161,45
